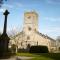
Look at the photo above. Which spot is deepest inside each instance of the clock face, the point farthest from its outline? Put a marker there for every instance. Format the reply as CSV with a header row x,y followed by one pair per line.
x,y
29,28
29,17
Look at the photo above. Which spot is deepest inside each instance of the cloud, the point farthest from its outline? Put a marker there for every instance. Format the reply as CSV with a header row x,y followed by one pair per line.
x,y
52,19
2,9
19,4
53,1
7,5
53,29
12,5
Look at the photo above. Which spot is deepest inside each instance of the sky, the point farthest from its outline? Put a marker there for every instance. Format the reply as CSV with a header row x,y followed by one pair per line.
x,y
48,15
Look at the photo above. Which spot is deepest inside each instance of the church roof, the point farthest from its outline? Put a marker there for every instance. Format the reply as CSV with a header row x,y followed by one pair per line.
x,y
45,36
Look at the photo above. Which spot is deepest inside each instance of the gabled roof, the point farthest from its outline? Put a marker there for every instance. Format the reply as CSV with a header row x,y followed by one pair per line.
x,y
45,36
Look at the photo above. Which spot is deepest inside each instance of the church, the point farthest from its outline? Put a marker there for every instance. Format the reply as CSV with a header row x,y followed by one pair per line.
x,y
30,34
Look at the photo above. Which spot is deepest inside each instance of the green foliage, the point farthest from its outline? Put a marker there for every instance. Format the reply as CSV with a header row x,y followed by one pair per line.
x,y
23,50
41,56
38,49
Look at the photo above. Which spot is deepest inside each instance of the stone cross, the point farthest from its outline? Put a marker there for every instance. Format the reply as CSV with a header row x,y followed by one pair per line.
x,y
4,39
5,22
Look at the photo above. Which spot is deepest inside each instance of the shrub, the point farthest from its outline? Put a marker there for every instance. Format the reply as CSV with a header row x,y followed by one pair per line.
x,y
22,50
38,49
13,48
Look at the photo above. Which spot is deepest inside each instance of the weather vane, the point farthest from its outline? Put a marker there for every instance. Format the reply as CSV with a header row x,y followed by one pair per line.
x,y
1,2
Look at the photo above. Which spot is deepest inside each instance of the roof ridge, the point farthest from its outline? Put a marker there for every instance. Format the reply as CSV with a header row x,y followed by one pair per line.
x,y
45,36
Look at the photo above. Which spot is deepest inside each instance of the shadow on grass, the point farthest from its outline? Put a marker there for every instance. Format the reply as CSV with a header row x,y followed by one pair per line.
x,y
54,56
7,56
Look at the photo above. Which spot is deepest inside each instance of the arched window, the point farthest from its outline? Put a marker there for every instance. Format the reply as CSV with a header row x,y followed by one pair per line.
x,y
29,17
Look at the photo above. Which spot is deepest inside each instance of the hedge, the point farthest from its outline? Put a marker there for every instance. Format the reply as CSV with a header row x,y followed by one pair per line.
x,y
38,49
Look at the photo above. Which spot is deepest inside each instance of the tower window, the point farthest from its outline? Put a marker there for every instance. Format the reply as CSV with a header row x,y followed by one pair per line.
x,y
28,38
29,28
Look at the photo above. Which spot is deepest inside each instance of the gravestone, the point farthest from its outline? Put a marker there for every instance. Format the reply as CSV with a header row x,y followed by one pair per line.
x,y
4,39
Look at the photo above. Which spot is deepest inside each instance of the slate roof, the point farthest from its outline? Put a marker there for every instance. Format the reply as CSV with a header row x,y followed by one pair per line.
x,y
45,36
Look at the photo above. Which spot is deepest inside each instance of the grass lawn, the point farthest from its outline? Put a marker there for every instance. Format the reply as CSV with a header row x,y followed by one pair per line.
x,y
41,56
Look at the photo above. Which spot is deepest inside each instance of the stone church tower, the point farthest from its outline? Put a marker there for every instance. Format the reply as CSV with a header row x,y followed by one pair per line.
x,y
31,18
30,35
30,25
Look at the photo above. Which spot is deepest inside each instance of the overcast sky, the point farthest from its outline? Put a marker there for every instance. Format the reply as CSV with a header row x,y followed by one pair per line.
x,y
48,11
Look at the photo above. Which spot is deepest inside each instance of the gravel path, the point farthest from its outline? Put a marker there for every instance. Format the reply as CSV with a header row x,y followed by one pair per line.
x,y
18,58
